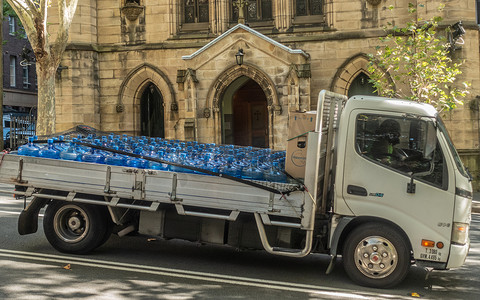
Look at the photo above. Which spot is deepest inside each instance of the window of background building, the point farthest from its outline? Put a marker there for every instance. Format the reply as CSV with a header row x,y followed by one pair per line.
x,y
195,14
478,11
11,25
13,73
310,11
26,83
256,11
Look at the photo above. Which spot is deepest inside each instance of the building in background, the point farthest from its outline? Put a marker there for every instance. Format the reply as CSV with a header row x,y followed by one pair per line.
x,y
169,67
19,76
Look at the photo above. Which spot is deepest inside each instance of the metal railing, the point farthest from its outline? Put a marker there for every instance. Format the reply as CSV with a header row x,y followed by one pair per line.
x,y
21,128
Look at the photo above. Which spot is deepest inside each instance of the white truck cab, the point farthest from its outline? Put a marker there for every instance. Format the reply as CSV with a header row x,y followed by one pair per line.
x,y
401,183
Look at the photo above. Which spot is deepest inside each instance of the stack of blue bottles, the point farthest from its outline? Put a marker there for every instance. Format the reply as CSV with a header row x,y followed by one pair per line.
x,y
238,161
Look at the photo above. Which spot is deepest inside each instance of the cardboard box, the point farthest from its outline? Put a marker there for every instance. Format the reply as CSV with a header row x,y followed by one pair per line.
x,y
299,125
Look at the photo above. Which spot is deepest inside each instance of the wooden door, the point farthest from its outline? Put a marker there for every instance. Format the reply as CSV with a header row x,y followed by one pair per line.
x,y
250,116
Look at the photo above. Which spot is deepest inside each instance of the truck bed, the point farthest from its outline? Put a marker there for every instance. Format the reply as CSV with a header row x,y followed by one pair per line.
x,y
147,189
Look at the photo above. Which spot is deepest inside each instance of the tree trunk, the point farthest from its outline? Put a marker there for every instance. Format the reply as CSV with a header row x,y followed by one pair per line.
x,y
46,98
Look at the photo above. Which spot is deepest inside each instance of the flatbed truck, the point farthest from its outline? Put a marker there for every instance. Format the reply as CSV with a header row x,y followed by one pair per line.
x,y
381,210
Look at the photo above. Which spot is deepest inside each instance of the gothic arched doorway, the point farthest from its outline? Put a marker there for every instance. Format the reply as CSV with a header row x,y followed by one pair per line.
x,y
152,112
361,86
245,114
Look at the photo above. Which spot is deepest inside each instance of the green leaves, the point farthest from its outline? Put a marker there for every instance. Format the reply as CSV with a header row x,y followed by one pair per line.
x,y
413,62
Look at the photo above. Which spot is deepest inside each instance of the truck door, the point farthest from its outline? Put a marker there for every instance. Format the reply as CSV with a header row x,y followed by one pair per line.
x,y
383,150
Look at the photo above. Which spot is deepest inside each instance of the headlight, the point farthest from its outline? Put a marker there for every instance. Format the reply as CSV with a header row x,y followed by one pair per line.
x,y
460,233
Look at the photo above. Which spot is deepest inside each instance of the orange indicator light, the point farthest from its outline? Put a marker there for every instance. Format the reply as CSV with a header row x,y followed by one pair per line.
x,y
427,243
440,245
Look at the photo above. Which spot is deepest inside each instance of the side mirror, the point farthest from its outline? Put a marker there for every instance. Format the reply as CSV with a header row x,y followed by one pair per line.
x,y
430,141
423,170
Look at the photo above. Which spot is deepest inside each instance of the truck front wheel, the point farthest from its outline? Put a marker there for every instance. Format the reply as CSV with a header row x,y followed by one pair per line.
x,y
74,227
376,255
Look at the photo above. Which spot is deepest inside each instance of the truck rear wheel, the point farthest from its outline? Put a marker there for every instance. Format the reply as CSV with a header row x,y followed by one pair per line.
x,y
376,255
74,227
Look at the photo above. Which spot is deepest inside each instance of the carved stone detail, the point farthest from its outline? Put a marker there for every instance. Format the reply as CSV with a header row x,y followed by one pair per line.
x,y
132,10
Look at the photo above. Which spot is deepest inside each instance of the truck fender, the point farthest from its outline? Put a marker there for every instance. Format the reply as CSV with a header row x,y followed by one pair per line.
x,y
342,224
28,220
345,225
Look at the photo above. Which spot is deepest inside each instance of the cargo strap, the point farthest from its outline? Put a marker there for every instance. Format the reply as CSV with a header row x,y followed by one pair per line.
x,y
3,155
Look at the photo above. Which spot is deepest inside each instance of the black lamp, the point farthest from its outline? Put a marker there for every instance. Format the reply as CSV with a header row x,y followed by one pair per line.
x,y
455,34
239,57
457,30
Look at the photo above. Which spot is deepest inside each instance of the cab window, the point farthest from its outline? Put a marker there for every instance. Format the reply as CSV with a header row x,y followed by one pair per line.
x,y
401,144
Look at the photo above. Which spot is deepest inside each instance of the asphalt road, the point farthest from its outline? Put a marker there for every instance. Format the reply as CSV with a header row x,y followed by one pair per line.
x,y
135,267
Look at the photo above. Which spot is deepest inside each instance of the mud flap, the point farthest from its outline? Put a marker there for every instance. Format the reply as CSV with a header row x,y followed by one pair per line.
x,y
28,220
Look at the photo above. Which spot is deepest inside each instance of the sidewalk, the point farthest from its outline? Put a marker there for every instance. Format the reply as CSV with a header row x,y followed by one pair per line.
x,y
476,203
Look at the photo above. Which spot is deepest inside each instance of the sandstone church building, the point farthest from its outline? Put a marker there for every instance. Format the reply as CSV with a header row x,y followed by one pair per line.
x,y
171,68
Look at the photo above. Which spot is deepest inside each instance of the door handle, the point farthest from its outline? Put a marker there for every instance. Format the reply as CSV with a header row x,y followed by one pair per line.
x,y
357,190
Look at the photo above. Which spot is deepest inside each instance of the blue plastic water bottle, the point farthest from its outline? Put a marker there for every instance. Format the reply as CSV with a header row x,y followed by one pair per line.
x,y
252,172
71,153
274,174
115,159
156,165
230,168
93,156
49,151
29,149
137,162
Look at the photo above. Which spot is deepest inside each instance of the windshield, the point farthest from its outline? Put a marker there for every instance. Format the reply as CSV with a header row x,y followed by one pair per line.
x,y
454,152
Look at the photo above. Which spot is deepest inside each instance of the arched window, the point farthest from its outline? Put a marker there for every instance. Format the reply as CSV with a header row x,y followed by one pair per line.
x,y
361,86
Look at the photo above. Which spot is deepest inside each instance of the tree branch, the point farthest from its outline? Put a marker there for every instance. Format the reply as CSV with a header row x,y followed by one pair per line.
x,y
23,12
65,15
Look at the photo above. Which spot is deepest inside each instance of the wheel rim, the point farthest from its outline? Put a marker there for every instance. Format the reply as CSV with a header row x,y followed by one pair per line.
x,y
376,257
71,223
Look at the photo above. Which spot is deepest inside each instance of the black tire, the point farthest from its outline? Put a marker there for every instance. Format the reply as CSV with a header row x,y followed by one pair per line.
x,y
375,255
75,228
109,228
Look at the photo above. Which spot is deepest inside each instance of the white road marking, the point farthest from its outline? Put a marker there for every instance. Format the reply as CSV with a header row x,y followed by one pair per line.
x,y
202,276
9,212
10,200
15,213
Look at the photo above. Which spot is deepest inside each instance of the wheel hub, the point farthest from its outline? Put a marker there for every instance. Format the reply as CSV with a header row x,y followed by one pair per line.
x,y
71,223
74,223
376,257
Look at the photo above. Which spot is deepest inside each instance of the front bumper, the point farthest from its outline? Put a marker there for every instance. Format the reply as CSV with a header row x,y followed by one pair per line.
x,y
458,255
